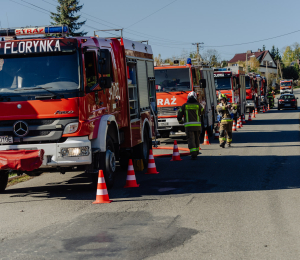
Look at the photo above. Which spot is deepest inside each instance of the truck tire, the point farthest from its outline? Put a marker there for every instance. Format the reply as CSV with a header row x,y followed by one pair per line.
x,y
108,163
146,148
3,180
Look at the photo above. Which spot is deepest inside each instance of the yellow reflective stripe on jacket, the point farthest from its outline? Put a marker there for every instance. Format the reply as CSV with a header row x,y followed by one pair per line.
x,y
194,149
192,124
191,107
226,120
197,112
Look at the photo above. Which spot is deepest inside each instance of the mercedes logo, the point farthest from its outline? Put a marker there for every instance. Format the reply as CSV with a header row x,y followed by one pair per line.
x,y
21,128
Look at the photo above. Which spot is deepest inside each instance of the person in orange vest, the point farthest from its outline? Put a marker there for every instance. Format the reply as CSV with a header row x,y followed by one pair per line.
x,y
191,111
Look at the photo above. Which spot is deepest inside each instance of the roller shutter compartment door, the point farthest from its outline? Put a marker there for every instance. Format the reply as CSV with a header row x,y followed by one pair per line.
x,y
150,69
143,84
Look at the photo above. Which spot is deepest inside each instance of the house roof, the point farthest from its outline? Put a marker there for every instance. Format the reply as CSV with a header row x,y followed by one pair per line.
x,y
242,56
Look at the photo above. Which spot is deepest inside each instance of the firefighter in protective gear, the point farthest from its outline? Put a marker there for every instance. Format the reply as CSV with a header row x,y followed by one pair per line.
x,y
226,113
192,111
271,99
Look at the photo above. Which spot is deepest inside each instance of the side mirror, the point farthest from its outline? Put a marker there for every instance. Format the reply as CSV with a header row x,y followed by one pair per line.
x,y
104,68
202,83
105,82
104,59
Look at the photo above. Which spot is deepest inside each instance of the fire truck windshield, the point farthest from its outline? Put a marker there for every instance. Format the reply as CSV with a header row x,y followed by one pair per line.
x,y
222,83
286,84
167,80
56,71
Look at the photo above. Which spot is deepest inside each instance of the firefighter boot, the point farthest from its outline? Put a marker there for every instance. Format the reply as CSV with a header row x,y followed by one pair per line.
x,y
193,155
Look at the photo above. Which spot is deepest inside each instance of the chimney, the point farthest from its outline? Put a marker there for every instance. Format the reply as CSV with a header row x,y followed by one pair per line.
x,y
259,50
249,52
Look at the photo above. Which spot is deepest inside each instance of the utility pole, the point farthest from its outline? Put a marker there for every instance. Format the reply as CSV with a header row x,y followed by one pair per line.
x,y
198,54
246,62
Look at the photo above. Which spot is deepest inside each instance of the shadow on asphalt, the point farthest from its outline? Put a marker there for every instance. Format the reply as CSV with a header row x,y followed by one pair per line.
x,y
205,175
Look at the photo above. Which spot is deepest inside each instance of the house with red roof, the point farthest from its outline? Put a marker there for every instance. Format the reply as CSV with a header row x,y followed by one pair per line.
x,y
265,59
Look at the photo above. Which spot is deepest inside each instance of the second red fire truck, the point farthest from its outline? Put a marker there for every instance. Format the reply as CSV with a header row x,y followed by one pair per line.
x,y
231,82
83,102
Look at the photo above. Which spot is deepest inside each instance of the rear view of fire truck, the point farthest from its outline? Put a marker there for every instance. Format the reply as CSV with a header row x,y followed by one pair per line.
x,y
78,104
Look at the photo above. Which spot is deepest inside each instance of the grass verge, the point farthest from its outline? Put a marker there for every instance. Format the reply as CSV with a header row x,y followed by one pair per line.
x,y
18,179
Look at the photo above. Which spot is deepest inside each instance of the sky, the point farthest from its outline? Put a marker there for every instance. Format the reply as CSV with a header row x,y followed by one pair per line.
x,y
171,26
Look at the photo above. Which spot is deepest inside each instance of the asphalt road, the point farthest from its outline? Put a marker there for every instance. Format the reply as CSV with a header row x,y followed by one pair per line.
x,y
234,203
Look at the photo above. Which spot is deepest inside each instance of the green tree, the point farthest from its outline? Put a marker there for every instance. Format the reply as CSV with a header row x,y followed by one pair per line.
x,y
277,55
296,47
288,56
66,14
290,73
273,52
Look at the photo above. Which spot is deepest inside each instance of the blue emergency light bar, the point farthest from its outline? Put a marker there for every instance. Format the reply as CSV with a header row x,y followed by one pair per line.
x,y
34,30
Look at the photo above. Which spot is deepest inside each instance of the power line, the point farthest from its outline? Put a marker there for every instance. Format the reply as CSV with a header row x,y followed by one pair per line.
x,y
133,32
151,14
236,44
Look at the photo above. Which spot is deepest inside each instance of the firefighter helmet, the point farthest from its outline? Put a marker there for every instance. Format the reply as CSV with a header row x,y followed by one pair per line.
x,y
223,96
192,95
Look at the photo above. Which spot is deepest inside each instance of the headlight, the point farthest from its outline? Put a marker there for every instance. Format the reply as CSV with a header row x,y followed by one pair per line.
x,y
71,128
75,151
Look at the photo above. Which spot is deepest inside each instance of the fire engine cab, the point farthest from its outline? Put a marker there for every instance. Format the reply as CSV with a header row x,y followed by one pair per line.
x,y
231,82
173,83
286,86
82,103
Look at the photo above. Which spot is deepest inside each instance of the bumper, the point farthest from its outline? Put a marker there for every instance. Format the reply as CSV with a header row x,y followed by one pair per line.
x,y
52,156
167,123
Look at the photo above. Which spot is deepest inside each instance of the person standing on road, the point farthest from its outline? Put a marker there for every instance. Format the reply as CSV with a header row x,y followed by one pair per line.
x,y
226,113
192,111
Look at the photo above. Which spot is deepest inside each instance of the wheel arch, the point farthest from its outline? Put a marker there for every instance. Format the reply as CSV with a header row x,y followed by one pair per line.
x,y
107,125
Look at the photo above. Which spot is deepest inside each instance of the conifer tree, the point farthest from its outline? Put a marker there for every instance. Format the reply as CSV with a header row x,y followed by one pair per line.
x,y
66,14
273,52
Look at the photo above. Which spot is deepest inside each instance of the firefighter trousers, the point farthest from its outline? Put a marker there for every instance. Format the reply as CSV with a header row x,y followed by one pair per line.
x,y
193,138
225,130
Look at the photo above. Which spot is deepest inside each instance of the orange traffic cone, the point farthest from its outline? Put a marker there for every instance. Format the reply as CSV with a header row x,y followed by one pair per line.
x,y
241,124
238,123
249,118
131,180
151,164
217,134
176,154
102,194
234,126
268,106
206,140
243,119
255,111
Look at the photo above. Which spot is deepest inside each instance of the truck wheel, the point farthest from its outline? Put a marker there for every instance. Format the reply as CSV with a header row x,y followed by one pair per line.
x,y
3,180
108,163
146,148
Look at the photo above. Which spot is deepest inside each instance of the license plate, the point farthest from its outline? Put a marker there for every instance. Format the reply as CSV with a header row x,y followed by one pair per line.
x,y
6,140
163,123
287,105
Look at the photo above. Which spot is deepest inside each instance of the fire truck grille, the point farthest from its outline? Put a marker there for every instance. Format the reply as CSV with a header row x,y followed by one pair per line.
x,y
29,122
167,111
38,130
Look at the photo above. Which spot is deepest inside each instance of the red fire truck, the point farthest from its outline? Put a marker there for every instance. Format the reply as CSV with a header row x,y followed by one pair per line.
x,y
86,102
286,86
231,82
173,83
